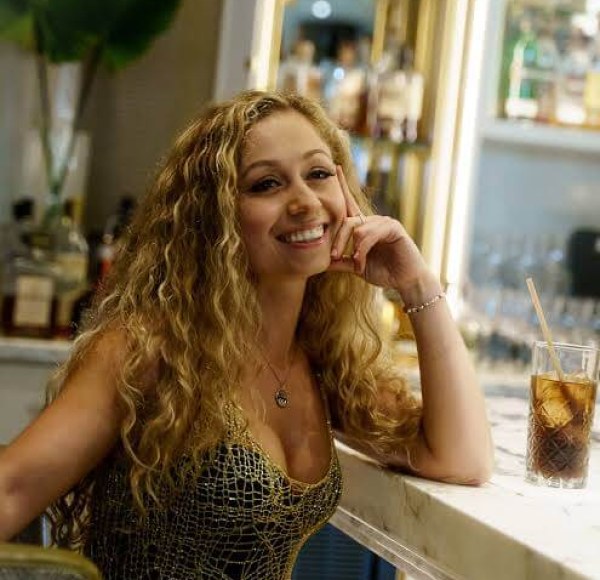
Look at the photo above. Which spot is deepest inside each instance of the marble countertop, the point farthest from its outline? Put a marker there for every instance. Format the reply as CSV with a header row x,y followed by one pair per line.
x,y
507,529
30,350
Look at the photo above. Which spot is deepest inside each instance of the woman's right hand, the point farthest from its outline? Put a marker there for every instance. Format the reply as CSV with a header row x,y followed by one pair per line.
x,y
384,254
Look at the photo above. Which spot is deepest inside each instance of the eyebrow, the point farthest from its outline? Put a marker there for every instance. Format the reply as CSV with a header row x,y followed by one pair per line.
x,y
272,162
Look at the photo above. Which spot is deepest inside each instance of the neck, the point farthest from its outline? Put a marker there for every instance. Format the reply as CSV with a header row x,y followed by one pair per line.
x,y
281,304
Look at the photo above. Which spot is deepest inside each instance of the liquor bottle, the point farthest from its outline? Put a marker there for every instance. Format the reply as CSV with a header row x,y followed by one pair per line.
x,y
71,254
512,33
591,95
364,120
414,95
298,74
344,88
546,76
14,238
113,229
390,97
16,234
29,291
573,70
522,90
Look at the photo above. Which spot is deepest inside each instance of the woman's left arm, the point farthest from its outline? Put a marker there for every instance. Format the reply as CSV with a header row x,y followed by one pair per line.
x,y
454,443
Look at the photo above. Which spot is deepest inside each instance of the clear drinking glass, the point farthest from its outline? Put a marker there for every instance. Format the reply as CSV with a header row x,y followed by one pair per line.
x,y
561,415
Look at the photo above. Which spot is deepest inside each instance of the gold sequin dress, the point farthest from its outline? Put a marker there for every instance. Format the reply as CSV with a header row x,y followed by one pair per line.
x,y
241,518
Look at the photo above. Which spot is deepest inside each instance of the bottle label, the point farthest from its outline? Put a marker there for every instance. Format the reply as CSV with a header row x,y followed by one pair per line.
x,y
73,267
392,98
391,104
33,301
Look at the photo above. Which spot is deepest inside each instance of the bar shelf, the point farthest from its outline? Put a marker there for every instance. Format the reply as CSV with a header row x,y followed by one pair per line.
x,y
549,137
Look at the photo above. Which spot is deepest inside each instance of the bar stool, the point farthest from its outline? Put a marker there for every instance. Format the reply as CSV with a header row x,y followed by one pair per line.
x,y
24,562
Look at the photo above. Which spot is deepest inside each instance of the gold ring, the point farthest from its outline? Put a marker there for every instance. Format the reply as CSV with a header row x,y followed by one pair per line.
x,y
362,218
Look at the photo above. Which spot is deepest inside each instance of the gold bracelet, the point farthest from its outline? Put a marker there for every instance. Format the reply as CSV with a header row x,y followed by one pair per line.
x,y
415,309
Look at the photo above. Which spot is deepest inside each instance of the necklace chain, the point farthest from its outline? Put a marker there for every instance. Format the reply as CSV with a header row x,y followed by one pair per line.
x,y
281,396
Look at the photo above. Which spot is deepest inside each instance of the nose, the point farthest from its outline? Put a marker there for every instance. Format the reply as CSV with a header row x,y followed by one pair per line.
x,y
303,199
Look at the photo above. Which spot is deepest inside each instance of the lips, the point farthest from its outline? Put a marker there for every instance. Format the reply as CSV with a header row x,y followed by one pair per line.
x,y
304,236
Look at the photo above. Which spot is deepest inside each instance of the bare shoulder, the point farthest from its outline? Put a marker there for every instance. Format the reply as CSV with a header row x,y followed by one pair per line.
x,y
106,353
101,365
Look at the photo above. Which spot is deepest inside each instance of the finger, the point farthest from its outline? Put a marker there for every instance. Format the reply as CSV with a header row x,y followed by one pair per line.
x,y
351,205
369,237
376,230
344,236
342,265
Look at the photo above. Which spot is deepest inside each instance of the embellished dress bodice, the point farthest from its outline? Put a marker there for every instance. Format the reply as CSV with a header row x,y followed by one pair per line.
x,y
241,517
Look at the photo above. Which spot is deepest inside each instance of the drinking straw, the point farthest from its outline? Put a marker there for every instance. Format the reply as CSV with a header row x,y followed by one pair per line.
x,y
545,329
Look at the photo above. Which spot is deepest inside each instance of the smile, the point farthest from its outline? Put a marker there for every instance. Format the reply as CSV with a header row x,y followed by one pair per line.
x,y
304,235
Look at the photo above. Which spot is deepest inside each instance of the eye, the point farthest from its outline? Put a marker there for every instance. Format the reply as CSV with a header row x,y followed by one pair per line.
x,y
263,185
320,174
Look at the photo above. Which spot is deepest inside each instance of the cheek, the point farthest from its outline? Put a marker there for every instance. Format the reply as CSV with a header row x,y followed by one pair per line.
x,y
255,228
251,229
253,237
252,221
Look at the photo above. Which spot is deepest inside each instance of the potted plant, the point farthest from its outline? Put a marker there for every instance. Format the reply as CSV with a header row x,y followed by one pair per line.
x,y
92,33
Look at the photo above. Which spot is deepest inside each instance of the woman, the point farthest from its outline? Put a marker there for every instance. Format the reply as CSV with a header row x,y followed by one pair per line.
x,y
191,423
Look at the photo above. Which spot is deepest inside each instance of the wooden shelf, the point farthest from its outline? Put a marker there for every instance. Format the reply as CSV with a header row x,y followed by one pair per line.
x,y
550,137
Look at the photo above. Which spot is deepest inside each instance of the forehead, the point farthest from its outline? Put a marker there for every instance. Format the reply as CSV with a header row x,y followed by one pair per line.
x,y
282,134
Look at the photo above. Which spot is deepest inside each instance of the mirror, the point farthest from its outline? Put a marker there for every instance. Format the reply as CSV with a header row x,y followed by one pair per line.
x,y
328,24
325,54
358,59
403,140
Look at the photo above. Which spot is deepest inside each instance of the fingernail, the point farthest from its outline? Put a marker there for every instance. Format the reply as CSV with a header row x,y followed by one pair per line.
x,y
334,253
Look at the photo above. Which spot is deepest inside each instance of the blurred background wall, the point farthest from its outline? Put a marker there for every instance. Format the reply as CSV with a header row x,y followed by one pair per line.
x,y
529,190
138,112
133,116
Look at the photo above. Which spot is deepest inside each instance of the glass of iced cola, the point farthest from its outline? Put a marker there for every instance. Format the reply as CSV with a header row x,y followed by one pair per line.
x,y
561,414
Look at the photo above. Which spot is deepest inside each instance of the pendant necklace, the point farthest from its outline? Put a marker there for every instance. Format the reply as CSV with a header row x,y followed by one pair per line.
x,y
281,396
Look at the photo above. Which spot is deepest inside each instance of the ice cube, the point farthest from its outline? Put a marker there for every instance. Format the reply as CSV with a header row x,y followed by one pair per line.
x,y
555,412
581,394
580,376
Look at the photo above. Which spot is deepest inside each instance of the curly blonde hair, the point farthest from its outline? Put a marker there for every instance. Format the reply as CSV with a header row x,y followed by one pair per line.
x,y
181,291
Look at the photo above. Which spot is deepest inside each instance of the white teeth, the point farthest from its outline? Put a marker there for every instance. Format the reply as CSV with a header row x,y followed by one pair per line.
x,y
306,235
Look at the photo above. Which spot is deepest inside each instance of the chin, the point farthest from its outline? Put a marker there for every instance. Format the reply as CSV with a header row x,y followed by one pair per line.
x,y
300,269
317,269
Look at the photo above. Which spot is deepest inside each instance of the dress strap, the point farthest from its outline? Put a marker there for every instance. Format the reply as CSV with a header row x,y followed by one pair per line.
x,y
235,421
319,380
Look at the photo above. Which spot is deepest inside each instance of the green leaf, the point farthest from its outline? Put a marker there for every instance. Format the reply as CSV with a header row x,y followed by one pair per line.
x,y
11,10
69,29
138,24
20,31
16,23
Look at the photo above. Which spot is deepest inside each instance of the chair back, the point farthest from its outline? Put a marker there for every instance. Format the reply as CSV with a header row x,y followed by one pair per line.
x,y
19,561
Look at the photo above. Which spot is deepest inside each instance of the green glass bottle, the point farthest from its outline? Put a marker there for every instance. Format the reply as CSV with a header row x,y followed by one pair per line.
x,y
523,77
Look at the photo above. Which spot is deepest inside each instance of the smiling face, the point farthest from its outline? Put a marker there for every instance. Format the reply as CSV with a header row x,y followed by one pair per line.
x,y
291,203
